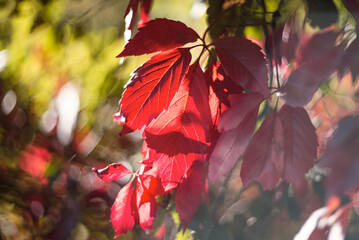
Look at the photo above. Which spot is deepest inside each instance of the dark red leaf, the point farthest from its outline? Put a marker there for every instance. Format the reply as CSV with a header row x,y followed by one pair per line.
x,y
300,86
341,157
263,160
244,63
300,145
112,172
180,135
317,46
189,193
241,106
121,212
159,35
152,88
350,60
230,146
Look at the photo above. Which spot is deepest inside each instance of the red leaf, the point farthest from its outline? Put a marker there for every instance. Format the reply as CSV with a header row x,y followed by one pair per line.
x,y
180,135
230,146
317,46
244,63
152,88
341,157
222,85
300,145
145,9
264,157
132,7
112,172
121,212
300,86
146,189
189,193
159,35
241,106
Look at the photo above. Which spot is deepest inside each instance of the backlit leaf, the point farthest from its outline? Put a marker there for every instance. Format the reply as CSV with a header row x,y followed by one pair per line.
x,y
152,88
159,35
112,172
180,135
121,212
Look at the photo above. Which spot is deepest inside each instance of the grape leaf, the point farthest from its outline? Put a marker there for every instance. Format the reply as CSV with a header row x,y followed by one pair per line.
x,y
180,135
244,63
221,84
300,145
152,88
230,146
159,35
147,188
300,86
121,212
241,106
263,160
313,49
341,157
112,172
190,191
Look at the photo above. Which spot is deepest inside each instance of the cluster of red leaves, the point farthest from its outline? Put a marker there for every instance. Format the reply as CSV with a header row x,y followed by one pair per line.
x,y
192,117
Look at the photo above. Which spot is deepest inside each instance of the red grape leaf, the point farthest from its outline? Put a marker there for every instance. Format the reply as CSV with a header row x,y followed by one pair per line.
x,y
341,157
180,135
244,63
263,160
230,146
317,46
159,35
112,172
300,145
121,212
147,188
222,85
300,86
152,88
241,106
189,193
